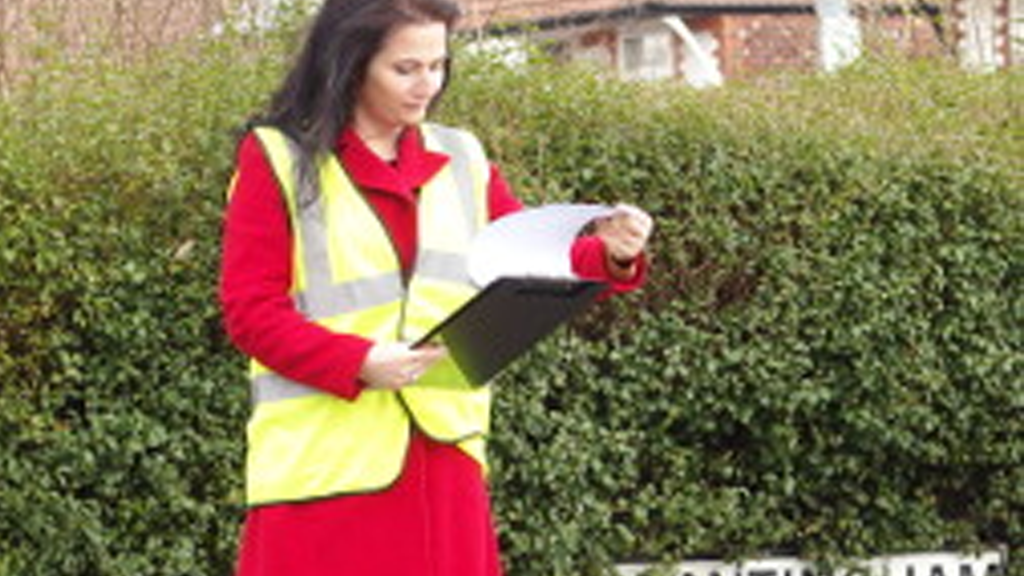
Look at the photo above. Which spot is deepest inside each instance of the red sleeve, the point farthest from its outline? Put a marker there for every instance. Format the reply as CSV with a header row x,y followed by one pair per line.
x,y
501,200
259,314
588,253
590,261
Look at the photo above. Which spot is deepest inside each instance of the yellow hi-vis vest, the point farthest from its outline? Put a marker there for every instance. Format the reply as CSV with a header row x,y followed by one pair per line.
x,y
305,444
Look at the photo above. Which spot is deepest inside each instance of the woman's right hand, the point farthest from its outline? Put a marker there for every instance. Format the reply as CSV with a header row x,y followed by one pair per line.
x,y
392,366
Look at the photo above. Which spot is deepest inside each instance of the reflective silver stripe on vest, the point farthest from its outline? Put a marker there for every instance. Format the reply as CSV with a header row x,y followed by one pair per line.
x,y
306,207
446,266
324,299
333,300
461,164
270,387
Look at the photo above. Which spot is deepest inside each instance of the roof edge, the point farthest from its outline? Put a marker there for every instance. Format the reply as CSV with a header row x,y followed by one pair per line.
x,y
659,9
647,9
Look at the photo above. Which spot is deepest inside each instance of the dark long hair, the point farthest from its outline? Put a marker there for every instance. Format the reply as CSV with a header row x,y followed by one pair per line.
x,y
318,96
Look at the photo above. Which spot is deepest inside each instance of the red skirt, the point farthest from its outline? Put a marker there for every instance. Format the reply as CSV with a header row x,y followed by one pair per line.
x,y
435,521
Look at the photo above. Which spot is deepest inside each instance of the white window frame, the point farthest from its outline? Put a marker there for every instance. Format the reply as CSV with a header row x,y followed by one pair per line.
x,y
657,54
1016,26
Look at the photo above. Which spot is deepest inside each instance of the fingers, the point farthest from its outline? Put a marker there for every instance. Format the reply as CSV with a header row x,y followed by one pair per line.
x,y
391,366
626,232
422,359
636,214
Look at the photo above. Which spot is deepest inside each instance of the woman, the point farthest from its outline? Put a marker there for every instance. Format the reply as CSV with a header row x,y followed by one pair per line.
x,y
344,238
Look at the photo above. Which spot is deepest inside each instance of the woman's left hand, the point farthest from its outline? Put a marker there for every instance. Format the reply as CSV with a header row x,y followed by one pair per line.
x,y
625,234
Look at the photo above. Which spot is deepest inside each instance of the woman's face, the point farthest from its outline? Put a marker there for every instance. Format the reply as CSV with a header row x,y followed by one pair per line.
x,y
403,78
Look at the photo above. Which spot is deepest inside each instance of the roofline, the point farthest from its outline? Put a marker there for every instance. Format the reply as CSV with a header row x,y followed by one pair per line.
x,y
647,9
658,9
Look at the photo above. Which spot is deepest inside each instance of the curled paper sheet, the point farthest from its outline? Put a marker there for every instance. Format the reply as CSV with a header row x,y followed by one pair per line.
x,y
534,242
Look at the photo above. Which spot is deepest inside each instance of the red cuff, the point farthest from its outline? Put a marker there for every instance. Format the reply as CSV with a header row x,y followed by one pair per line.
x,y
590,261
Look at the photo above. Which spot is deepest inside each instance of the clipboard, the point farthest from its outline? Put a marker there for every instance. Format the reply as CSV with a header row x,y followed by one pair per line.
x,y
506,319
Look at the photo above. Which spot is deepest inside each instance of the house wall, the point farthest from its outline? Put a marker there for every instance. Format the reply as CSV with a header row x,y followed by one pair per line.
x,y
989,33
743,45
748,45
1017,32
758,43
914,34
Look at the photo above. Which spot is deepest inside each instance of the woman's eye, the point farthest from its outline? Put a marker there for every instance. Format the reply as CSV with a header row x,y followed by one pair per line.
x,y
405,69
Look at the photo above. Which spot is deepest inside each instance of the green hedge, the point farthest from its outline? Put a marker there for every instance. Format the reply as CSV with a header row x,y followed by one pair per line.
x,y
826,360
122,405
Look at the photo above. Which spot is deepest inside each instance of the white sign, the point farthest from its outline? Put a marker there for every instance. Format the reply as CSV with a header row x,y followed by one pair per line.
x,y
989,563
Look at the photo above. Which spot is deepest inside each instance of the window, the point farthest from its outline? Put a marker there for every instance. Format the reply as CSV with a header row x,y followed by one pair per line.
x,y
646,56
1016,38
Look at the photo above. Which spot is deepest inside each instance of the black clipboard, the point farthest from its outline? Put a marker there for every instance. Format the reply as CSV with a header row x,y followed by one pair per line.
x,y
506,319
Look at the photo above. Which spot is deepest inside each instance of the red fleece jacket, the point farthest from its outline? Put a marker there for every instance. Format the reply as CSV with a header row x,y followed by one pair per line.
x,y
259,314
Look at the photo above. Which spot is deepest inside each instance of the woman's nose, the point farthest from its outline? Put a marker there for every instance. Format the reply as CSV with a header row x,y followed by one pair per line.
x,y
429,82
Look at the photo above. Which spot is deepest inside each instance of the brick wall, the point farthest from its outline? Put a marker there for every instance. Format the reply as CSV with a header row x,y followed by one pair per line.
x,y
752,44
759,43
748,44
986,32
914,34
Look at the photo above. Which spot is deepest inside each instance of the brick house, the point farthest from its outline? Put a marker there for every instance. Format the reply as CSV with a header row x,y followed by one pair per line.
x,y
735,38
989,33
639,39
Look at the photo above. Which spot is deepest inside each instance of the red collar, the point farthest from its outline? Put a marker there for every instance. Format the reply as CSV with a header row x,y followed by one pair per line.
x,y
415,165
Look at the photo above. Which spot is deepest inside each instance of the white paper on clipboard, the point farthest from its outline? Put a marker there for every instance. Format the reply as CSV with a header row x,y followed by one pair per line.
x,y
534,242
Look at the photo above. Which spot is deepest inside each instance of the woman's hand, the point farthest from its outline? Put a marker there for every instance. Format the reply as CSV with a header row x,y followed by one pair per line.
x,y
392,366
625,234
